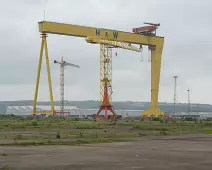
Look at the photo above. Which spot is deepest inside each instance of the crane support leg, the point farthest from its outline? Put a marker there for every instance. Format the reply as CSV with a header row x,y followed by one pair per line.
x,y
156,57
106,109
43,47
105,81
62,87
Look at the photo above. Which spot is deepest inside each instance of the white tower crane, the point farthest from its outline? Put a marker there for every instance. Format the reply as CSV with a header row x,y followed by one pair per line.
x,y
63,64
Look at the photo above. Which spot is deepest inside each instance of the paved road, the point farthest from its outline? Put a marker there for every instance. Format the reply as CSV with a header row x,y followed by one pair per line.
x,y
177,153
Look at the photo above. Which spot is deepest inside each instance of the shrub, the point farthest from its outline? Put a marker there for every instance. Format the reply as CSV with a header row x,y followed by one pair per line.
x,y
155,119
163,133
58,135
162,121
189,119
34,123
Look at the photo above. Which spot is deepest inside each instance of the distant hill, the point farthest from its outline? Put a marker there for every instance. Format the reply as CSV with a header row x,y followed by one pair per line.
x,y
128,105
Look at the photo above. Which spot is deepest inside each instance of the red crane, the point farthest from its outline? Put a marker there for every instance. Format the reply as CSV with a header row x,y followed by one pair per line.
x,y
149,30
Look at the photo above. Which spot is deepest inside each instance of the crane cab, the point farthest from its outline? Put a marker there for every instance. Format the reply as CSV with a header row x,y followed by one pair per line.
x,y
149,30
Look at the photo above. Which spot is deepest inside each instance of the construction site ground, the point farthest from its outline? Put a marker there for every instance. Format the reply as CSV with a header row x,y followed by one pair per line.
x,y
156,153
78,145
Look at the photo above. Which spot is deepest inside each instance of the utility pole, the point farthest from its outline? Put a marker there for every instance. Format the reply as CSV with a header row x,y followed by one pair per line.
x,y
63,64
188,104
197,108
175,92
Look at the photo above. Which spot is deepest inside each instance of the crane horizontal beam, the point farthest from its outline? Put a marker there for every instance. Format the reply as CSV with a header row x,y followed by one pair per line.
x,y
58,62
116,44
64,63
72,65
83,31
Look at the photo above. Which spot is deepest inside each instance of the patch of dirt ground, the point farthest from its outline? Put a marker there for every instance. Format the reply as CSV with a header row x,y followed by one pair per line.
x,y
170,153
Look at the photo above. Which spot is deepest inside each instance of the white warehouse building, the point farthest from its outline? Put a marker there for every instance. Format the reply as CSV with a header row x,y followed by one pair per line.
x,y
27,110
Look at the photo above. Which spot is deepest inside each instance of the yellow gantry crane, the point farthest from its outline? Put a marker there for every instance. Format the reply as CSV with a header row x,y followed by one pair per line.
x,y
140,36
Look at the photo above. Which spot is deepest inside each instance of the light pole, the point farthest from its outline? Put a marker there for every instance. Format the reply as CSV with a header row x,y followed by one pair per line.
x,y
188,104
175,92
197,108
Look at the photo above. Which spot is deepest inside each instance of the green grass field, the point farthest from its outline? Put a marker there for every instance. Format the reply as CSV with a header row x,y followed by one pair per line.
x,y
16,130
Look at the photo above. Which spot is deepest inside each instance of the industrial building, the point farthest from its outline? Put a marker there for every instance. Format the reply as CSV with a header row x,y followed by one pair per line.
x,y
73,110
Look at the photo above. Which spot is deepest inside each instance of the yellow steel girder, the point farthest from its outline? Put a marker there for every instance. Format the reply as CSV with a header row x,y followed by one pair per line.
x,y
83,31
109,42
120,36
43,47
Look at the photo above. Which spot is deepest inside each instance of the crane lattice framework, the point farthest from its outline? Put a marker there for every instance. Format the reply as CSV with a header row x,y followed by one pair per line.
x,y
155,43
106,91
63,64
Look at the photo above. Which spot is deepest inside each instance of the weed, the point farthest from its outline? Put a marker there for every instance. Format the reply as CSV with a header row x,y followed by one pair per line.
x,y
88,126
142,134
151,127
4,154
5,168
81,135
207,131
58,135
18,137
163,133
78,142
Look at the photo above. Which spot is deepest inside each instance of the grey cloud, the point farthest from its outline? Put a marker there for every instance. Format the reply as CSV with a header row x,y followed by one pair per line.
x,y
186,26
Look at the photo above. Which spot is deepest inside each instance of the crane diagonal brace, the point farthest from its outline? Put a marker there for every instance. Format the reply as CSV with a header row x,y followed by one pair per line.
x,y
112,43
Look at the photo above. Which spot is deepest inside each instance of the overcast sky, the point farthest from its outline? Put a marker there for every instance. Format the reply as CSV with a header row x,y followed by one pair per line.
x,y
185,24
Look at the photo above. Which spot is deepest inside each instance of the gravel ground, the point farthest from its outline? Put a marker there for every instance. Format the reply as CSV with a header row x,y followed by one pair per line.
x,y
158,153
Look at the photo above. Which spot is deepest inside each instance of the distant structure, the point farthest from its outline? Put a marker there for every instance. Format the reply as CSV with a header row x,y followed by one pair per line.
x,y
197,108
175,92
188,104
63,64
